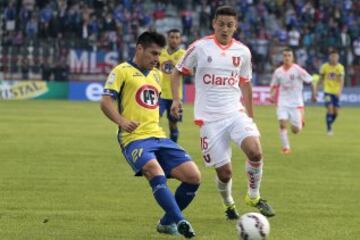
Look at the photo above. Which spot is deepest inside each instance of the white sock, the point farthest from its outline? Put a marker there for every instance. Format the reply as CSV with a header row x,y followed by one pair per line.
x,y
254,173
284,138
225,191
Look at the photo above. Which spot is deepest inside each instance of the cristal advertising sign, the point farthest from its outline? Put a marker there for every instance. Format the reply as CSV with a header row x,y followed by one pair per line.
x,y
19,90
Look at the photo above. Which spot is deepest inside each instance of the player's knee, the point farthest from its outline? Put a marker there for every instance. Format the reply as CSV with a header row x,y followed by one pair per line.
x,y
255,155
225,176
295,130
194,178
152,169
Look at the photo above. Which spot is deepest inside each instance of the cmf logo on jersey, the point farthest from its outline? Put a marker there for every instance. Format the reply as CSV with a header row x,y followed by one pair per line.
x,y
148,97
236,61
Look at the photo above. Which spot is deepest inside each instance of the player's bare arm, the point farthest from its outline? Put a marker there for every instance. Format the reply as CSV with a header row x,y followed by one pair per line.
x,y
108,107
319,83
313,92
246,90
175,85
273,89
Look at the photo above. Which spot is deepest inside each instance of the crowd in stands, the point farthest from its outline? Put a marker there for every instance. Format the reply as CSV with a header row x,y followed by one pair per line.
x,y
41,32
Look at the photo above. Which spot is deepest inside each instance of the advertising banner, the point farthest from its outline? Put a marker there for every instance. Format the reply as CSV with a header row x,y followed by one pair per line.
x,y
18,90
85,91
91,65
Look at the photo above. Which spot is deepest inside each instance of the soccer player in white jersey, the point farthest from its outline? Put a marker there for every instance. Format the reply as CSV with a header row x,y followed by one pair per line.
x,y
223,74
286,90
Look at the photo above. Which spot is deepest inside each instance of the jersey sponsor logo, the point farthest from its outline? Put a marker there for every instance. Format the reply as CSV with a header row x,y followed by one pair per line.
x,y
332,75
212,79
147,96
236,61
167,67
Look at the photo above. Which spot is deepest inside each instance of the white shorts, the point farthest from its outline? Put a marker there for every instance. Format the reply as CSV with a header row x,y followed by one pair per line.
x,y
295,115
216,138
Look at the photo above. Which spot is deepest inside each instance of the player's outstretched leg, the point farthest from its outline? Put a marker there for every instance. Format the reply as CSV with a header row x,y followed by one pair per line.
x,y
283,132
225,192
329,121
252,198
165,198
285,145
223,182
190,177
184,195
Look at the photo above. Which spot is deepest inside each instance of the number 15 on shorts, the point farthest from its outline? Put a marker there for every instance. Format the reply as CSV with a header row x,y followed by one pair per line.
x,y
204,146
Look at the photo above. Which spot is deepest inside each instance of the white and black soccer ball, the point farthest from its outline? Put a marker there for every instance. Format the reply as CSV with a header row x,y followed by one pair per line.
x,y
253,226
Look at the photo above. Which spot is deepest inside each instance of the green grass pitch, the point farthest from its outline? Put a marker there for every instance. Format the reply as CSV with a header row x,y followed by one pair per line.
x,y
62,177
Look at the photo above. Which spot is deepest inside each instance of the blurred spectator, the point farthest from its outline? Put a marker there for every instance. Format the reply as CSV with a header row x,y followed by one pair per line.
x,y
32,27
187,21
294,38
356,50
25,68
10,16
46,70
61,71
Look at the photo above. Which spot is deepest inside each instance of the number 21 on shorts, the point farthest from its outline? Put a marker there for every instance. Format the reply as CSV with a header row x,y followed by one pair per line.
x,y
204,146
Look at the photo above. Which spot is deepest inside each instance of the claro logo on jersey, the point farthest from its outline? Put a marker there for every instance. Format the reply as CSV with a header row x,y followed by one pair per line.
x,y
212,79
148,97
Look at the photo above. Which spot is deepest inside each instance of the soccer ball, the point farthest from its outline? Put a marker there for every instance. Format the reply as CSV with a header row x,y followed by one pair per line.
x,y
253,226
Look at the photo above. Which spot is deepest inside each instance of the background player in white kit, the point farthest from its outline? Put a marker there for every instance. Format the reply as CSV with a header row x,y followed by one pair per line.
x,y
286,90
223,73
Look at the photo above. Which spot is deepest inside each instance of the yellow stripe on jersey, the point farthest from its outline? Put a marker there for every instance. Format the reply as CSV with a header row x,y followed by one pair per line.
x,y
138,99
167,64
332,75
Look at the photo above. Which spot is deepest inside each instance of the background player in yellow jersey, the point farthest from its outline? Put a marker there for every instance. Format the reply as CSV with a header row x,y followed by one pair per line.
x,y
168,59
332,77
135,87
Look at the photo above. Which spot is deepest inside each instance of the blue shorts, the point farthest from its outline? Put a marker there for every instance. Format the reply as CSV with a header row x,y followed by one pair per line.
x,y
165,105
166,152
331,99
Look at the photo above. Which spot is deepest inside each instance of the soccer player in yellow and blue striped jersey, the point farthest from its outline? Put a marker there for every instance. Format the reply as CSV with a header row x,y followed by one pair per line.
x,y
332,77
134,85
168,59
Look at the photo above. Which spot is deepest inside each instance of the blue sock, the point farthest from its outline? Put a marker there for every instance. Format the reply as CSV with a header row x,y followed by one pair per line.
x,y
165,198
329,120
185,193
334,117
174,134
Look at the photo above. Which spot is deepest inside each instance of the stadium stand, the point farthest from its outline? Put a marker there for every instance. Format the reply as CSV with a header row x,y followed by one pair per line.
x,y
38,35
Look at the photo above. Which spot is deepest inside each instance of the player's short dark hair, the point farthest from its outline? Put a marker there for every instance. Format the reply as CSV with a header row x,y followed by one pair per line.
x,y
333,51
149,37
173,30
287,49
225,11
